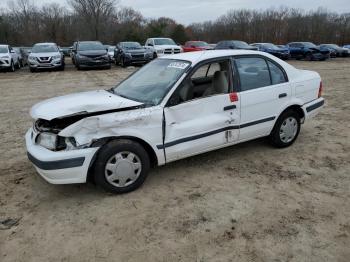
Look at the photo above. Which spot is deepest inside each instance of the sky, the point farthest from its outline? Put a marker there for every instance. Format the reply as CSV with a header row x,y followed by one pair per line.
x,y
190,11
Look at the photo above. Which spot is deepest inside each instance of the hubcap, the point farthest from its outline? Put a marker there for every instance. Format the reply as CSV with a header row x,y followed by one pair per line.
x,y
289,129
123,169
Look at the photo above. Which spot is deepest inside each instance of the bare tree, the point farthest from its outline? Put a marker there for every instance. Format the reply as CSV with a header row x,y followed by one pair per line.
x,y
94,12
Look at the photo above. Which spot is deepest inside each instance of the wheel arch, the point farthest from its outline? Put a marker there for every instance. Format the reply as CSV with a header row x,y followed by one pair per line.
x,y
103,141
295,107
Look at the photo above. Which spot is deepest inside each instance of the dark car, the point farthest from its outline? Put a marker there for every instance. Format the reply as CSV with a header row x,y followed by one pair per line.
x,y
280,52
66,51
127,53
234,44
339,51
308,51
90,54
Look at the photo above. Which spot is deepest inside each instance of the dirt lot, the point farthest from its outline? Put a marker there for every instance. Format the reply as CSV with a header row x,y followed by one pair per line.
x,y
250,202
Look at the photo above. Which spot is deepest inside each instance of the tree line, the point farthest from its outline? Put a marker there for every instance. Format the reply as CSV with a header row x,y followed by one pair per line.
x,y
23,23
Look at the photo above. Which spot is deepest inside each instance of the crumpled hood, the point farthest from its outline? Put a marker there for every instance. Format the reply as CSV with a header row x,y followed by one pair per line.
x,y
86,102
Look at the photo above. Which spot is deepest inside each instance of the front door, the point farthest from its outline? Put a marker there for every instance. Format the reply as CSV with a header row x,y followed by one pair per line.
x,y
202,115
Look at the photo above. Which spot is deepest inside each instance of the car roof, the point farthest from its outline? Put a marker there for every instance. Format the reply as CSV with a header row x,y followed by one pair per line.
x,y
195,57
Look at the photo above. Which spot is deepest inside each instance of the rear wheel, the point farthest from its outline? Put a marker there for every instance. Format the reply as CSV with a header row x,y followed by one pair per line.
x,y
121,166
286,129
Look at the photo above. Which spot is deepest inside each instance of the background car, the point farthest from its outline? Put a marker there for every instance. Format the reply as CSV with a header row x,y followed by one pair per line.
x,y
9,59
127,53
163,46
25,53
339,51
346,46
308,51
90,54
19,53
45,56
66,51
234,44
272,49
191,46
110,50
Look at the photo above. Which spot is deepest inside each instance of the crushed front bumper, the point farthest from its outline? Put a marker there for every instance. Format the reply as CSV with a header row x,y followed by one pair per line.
x,y
61,167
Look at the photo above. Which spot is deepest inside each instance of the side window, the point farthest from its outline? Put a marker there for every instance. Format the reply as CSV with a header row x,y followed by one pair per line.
x,y
277,75
253,72
209,79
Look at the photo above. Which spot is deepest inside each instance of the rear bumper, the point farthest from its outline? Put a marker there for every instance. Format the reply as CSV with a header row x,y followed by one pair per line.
x,y
63,167
312,108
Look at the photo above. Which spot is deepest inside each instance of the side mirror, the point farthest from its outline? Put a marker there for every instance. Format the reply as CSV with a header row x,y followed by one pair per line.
x,y
150,44
193,46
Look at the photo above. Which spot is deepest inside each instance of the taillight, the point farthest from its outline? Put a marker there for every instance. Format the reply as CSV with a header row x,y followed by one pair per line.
x,y
320,90
233,97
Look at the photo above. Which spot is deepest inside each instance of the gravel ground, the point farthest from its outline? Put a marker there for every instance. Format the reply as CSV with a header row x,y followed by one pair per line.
x,y
249,202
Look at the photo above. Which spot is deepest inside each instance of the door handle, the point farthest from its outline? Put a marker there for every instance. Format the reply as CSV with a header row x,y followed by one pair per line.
x,y
282,95
226,108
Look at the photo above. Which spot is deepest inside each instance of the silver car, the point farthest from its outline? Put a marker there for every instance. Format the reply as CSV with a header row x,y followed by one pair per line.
x,y
46,56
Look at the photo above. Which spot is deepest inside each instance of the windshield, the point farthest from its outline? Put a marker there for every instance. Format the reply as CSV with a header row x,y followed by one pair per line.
x,y
152,82
84,46
309,44
164,41
241,44
131,45
3,50
331,45
271,46
199,44
44,49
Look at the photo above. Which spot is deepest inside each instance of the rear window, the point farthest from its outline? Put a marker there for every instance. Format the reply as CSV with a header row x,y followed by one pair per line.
x,y
253,72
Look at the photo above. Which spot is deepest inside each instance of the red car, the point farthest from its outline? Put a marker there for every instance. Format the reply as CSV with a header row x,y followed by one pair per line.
x,y
191,46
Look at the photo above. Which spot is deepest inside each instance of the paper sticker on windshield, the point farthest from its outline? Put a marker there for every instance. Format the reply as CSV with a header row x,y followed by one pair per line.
x,y
178,65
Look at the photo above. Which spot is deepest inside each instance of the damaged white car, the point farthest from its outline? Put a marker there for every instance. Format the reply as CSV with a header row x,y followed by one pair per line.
x,y
174,107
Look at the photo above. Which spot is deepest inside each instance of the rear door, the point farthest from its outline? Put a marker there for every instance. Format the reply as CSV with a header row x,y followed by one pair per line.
x,y
264,91
201,115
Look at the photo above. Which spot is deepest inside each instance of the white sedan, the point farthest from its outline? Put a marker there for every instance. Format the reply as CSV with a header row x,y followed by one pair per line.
x,y
174,107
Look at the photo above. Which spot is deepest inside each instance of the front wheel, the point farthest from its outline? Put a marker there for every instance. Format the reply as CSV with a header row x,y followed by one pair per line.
x,y
121,166
286,129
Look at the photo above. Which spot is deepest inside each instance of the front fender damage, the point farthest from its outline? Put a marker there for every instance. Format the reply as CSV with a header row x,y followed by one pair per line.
x,y
90,129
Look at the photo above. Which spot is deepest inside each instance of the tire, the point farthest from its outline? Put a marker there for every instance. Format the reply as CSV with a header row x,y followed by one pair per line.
x,y
286,129
108,67
32,70
18,65
155,55
135,172
12,67
308,57
122,62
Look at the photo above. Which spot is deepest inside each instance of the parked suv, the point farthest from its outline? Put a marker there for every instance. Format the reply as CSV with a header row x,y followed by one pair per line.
x,y
45,56
9,59
127,53
163,46
90,54
174,107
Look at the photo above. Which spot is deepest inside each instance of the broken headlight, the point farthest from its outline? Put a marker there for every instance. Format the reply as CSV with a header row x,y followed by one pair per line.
x,y
47,140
